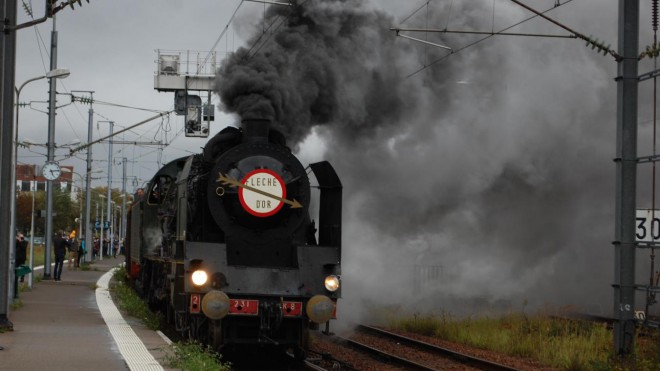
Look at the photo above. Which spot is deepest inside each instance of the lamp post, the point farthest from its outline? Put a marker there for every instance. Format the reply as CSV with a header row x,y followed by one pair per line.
x,y
60,73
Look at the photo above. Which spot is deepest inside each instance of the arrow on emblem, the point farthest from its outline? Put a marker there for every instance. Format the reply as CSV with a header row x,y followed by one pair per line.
x,y
227,180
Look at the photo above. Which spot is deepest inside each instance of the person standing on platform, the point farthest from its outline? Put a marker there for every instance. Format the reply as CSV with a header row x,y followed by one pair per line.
x,y
21,251
73,252
81,251
97,248
60,247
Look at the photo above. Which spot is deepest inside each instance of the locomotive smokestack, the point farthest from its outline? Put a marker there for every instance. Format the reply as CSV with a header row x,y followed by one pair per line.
x,y
255,129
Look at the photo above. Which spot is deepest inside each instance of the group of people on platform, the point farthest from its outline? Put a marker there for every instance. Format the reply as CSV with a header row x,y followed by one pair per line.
x,y
63,243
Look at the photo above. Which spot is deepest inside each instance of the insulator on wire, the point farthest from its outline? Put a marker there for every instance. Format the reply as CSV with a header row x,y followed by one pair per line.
x,y
27,8
597,45
655,15
651,51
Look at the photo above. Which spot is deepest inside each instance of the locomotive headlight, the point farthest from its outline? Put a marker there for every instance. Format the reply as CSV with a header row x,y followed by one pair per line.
x,y
332,283
199,277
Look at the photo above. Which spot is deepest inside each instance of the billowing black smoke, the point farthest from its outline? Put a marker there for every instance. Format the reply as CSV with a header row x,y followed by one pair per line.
x,y
487,175
322,62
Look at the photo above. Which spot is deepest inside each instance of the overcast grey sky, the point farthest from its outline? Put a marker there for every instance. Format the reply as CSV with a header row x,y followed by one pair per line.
x,y
109,47
494,164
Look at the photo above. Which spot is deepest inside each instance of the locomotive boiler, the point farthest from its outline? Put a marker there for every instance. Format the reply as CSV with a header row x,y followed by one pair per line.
x,y
226,244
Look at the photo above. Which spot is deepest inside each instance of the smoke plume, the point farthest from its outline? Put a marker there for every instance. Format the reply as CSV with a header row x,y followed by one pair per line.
x,y
485,179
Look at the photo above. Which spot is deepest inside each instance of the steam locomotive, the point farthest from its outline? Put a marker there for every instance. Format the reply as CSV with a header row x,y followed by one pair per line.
x,y
224,244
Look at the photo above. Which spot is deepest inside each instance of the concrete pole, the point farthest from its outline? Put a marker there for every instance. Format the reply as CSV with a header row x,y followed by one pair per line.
x,y
101,235
33,186
626,178
7,185
110,237
51,153
80,216
114,227
89,240
123,204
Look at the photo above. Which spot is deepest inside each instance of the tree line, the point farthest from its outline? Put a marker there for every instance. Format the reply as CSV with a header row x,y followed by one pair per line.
x,y
66,209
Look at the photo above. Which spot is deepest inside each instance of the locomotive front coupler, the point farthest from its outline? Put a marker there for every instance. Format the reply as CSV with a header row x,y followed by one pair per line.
x,y
270,317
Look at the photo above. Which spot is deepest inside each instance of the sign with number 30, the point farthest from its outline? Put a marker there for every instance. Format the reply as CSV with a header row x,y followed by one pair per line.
x,y
647,225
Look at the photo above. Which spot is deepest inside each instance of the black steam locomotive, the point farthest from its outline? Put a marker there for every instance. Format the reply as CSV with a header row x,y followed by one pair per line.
x,y
223,243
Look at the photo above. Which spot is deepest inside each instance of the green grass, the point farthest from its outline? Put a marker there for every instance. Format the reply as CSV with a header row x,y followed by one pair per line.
x,y
562,343
17,303
194,356
130,302
38,256
85,267
23,287
186,355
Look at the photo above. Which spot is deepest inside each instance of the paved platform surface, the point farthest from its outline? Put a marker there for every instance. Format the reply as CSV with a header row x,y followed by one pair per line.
x,y
60,327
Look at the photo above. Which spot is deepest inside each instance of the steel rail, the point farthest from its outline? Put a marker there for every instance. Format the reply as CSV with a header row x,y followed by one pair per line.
x,y
388,357
457,356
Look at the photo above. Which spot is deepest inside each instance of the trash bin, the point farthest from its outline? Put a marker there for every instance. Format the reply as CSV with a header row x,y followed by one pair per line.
x,y
21,271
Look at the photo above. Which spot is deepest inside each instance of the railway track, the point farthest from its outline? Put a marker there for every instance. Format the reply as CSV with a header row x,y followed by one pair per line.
x,y
428,354
380,349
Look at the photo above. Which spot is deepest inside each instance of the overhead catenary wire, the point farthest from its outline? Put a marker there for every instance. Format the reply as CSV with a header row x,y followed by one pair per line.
x,y
81,147
100,102
590,41
491,33
283,19
44,53
415,12
423,41
43,48
224,30
458,50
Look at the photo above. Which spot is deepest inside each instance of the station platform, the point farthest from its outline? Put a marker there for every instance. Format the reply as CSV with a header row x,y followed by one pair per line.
x,y
73,324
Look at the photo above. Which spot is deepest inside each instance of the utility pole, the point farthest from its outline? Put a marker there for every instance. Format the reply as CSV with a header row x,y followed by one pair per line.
x,y
51,152
626,175
110,238
7,185
102,225
33,188
122,229
89,240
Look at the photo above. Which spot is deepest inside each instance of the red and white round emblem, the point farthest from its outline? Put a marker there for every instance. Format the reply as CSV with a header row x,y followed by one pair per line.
x,y
263,193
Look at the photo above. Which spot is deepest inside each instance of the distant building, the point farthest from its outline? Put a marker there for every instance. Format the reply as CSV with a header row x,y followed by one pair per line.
x,y
28,178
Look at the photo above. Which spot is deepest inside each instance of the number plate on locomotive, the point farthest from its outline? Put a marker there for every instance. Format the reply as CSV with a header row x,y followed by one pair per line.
x,y
194,303
245,307
292,308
